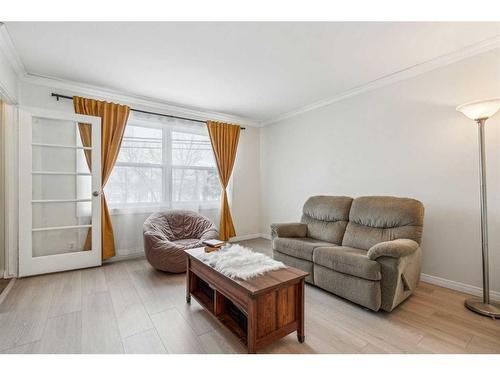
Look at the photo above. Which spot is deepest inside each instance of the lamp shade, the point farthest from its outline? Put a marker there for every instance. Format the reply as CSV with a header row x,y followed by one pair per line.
x,y
480,109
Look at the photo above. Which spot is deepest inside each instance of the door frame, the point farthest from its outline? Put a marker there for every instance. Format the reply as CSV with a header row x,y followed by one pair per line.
x,y
29,265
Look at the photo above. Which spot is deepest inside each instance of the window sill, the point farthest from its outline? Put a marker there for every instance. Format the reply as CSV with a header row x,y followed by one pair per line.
x,y
137,210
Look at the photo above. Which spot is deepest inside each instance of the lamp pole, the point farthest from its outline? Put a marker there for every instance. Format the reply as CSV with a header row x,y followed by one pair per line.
x,y
484,211
480,111
483,307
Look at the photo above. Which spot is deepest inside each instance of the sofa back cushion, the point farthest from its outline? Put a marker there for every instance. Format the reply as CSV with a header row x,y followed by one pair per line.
x,y
377,219
326,217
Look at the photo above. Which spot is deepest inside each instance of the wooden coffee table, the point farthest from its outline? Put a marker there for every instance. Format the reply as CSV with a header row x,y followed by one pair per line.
x,y
258,311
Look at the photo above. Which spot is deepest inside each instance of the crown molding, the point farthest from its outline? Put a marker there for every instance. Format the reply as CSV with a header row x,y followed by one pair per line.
x,y
133,99
8,49
413,71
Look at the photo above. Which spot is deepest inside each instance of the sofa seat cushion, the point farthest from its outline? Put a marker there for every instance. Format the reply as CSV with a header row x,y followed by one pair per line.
x,y
348,260
301,248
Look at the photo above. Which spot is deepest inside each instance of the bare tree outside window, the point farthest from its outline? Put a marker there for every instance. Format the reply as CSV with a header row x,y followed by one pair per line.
x,y
193,168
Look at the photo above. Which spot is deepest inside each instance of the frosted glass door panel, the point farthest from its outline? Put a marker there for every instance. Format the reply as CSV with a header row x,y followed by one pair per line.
x,y
51,187
47,158
61,185
62,241
48,215
59,132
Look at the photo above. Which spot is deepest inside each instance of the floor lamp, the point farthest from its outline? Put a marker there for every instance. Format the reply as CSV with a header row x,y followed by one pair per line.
x,y
480,111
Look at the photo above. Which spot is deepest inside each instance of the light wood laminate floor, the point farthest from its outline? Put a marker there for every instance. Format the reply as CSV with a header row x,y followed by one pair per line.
x,y
127,307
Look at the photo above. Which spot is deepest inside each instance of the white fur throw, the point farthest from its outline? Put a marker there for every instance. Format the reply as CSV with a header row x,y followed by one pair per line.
x,y
240,262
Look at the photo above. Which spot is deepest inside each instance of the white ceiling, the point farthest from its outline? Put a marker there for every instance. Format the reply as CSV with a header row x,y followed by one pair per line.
x,y
254,70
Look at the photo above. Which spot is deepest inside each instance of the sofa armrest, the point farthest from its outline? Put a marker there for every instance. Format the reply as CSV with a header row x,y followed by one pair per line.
x,y
394,249
288,230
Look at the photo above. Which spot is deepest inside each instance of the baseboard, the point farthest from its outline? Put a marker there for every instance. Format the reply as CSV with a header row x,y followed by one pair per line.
x,y
133,254
8,276
458,286
245,237
7,289
267,236
119,258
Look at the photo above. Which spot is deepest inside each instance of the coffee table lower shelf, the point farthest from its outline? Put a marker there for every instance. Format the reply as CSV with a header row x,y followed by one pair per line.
x,y
225,318
257,319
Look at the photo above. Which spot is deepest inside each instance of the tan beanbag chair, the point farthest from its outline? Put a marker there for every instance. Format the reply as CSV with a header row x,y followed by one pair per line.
x,y
168,234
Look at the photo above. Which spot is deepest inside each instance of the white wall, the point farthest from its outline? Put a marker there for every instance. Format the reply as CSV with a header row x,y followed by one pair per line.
x,y
245,185
2,194
405,139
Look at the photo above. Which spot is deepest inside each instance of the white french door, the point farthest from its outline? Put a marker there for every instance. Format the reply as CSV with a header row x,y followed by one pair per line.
x,y
59,195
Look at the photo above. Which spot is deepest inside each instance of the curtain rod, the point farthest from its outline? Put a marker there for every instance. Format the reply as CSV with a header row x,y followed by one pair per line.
x,y
59,96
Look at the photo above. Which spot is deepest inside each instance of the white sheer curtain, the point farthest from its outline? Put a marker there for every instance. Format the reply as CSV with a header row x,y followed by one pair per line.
x,y
163,164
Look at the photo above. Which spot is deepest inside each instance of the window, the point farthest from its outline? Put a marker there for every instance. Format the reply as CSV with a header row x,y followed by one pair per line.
x,y
194,176
164,163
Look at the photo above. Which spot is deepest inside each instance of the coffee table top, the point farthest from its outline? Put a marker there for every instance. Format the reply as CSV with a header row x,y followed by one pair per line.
x,y
258,284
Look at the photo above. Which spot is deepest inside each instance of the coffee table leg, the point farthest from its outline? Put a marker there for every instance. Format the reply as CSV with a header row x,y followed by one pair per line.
x,y
300,324
188,281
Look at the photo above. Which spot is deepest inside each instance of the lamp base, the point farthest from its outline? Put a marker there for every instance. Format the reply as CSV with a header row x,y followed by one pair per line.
x,y
488,309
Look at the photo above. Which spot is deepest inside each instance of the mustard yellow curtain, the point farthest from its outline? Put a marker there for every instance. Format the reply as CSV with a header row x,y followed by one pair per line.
x,y
113,120
224,139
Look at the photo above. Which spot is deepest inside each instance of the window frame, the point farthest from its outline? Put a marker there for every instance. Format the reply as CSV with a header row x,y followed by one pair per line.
x,y
167,170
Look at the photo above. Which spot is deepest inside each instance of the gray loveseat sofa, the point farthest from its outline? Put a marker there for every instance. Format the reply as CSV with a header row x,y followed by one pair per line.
x,y
366,250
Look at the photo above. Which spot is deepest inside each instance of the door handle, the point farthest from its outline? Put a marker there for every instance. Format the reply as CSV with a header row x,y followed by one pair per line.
x,y
96,193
